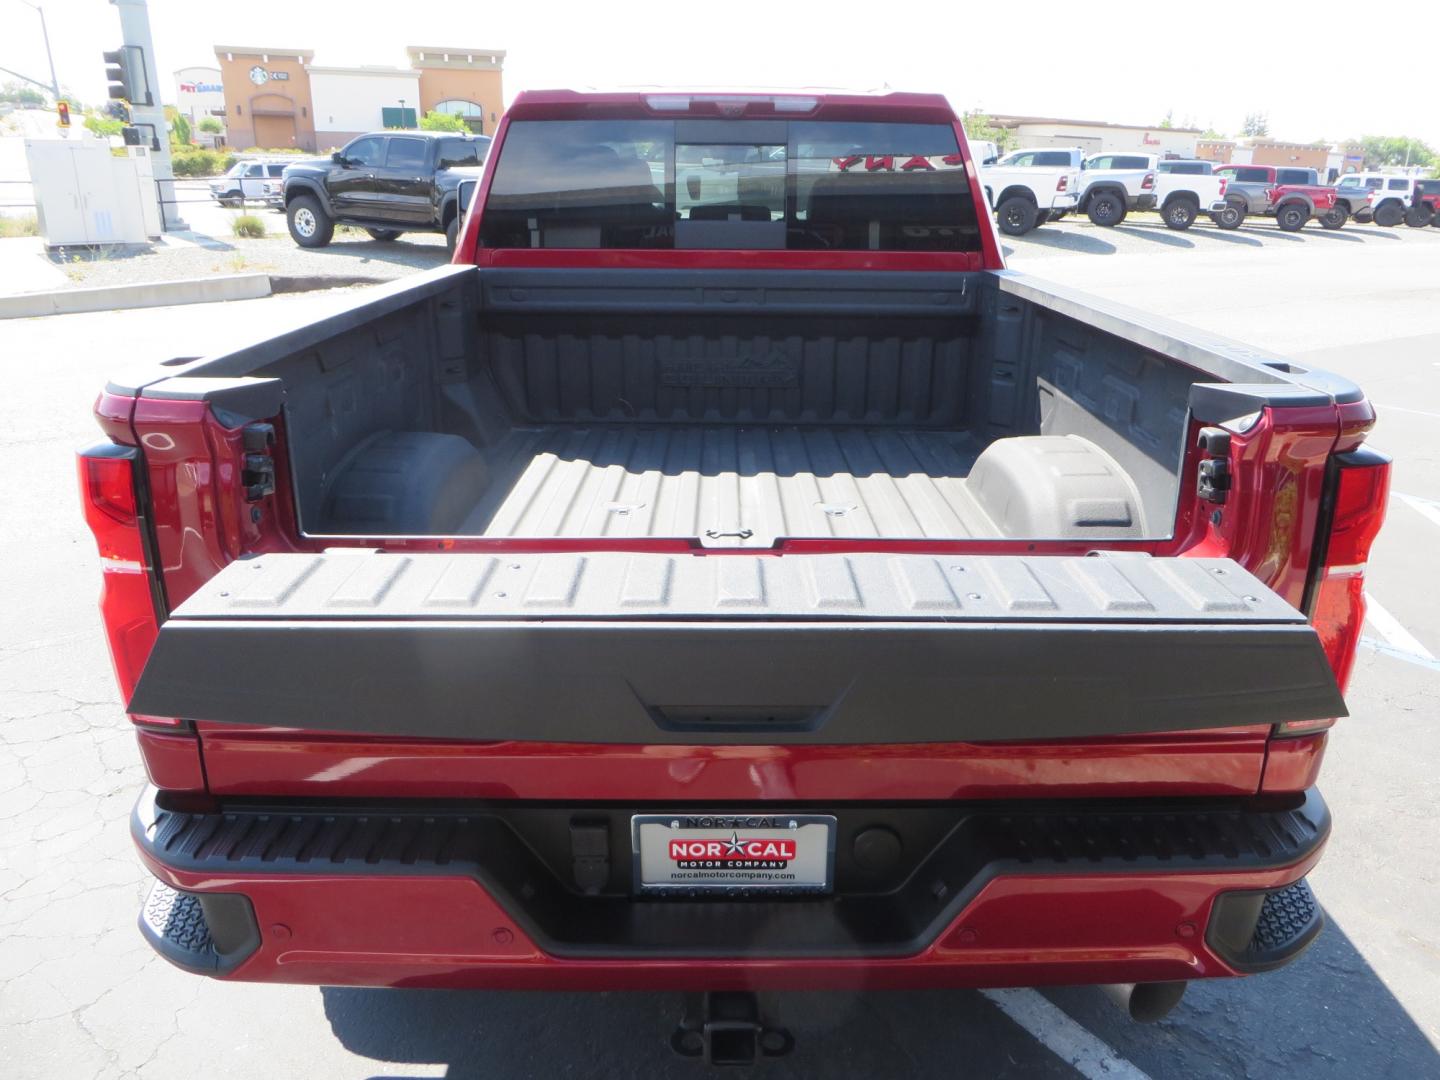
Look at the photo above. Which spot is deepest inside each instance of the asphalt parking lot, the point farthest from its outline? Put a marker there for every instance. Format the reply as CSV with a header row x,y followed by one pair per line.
x,y
81,995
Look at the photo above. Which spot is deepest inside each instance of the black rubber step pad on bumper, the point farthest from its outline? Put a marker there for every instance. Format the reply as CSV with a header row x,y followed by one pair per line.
x,y
178,926
1261,931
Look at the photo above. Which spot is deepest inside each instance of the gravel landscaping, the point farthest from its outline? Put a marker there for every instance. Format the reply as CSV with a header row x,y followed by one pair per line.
x,y
350,259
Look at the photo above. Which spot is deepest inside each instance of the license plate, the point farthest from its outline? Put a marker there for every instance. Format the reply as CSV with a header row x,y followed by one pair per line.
x,y
733,853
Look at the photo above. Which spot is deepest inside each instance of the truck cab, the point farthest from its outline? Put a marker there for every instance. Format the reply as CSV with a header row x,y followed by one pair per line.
x,y
750,588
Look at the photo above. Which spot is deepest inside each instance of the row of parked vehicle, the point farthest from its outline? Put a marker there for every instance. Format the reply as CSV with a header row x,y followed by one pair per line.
x,y
1027,188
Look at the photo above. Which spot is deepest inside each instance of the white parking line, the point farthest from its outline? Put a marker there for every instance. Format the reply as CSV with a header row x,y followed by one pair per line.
x,y
1390,629
1414,412
1427,507
1086,1053
1388,650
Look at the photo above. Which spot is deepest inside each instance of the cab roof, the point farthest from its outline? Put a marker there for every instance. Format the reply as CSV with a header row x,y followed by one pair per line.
x,y
637,103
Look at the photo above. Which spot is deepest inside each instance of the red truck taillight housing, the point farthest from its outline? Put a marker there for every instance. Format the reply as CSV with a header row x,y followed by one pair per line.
x,y
1223,184
1062,183
1356,494
107,476
1148,182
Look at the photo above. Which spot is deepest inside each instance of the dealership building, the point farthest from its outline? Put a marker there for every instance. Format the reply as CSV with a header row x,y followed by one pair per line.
x,y
1093,136
279,98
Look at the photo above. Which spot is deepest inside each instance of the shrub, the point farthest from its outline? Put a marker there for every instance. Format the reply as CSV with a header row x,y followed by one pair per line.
x,y
276,150
24,225
194,161
102,126
248,226
211,125
438,121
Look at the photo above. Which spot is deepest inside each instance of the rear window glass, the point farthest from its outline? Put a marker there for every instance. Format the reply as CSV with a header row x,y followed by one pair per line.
x,y
1122,161
458,154
1250,175
769,184
405,154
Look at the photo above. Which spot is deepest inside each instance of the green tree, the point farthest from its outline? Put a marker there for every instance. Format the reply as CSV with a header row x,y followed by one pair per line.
x,y
978,126
102,126
438,121
211,125
1256,124
27,97
1169,120
180,130
1396,150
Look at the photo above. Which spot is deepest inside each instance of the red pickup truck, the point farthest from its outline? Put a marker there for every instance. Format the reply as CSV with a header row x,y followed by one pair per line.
x,y
728,576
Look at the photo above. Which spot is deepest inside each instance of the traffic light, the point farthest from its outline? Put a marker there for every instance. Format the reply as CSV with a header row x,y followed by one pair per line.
x,y
63,108
125,72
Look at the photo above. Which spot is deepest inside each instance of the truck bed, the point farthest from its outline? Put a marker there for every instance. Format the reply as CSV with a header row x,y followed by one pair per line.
x,y
733,409
717,481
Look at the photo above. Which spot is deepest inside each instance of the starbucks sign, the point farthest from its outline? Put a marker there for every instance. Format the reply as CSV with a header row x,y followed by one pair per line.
x,y
259,76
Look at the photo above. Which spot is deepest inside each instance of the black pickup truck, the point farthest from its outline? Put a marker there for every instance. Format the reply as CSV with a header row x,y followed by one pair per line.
x,y
387,182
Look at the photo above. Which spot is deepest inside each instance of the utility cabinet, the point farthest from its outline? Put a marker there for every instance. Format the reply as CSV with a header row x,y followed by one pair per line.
x,y
86,195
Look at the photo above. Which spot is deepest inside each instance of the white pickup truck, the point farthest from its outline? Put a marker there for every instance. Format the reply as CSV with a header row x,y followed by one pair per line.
x,y
1027,188
1184,188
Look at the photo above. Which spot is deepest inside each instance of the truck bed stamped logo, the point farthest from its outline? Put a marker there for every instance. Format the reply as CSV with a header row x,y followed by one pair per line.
x,y
755,369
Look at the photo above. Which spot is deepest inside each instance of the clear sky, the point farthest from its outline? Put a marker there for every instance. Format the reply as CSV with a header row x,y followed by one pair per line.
x,y
1330,76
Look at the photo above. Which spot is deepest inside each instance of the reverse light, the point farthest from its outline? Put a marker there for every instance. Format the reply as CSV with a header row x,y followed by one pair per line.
x,y
1357,489
127,607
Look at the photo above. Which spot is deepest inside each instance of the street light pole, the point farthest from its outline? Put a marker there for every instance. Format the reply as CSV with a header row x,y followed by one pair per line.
x,y
45,33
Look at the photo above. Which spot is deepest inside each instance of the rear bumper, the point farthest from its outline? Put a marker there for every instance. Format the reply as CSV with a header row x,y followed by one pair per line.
x,y
1064,201
445,897
1143,202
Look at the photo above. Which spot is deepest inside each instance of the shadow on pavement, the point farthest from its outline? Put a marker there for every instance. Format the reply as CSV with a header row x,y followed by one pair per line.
x,y
1334,234
1159,234
1274,232
1069,241
479,1034
1328,1010
1229,237
1376,231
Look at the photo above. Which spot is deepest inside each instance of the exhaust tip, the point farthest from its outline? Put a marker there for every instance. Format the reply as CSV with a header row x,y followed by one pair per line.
x,y
1145,1003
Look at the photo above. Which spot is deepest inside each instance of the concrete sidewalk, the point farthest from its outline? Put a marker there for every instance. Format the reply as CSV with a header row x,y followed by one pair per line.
x,y
24,267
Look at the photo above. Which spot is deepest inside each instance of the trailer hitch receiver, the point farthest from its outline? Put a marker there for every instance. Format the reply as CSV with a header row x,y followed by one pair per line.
x,y
726,1028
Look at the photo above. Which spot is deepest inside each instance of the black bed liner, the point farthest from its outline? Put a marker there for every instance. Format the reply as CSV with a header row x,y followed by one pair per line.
x,y
736,648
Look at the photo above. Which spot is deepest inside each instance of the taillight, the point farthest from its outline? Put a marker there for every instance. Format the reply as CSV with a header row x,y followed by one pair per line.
x,y
1223,183
107,488
1148,182
1358,487
1061,183
1271,194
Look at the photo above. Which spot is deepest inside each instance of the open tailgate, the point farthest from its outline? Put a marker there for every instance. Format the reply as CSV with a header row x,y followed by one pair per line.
x,y
736,648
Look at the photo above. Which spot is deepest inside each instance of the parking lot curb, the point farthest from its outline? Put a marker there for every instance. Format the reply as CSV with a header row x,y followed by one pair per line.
x,y
151,294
